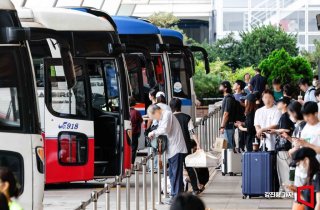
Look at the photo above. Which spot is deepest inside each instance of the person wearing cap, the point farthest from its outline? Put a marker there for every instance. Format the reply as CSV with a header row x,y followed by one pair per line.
x,y
267,118
285,125
161,101
310,134
228,113
307,173
248,125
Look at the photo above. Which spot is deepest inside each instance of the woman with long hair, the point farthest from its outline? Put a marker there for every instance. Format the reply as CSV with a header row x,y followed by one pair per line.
x,y
248,125
9,187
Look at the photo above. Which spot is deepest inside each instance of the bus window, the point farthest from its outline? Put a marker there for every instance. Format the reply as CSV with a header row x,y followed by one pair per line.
x,y
73,148
66,102
134,67
14,162
9,104
159,70
179,76
104,85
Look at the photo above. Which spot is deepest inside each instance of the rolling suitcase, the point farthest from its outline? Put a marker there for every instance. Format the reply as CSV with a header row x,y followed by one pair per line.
x,y
231,162
258,173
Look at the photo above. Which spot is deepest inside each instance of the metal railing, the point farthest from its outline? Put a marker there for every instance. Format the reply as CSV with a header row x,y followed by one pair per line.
x,y
207,130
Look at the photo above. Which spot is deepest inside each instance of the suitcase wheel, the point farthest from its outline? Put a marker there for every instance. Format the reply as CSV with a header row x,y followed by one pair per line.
x,y
249,197
223,174
244,197
231,174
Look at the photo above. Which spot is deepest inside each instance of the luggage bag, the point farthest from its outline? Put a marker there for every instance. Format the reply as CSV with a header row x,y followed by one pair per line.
x,y
231,162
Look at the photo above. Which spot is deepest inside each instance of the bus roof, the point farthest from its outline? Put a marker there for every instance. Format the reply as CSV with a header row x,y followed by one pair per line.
x,y
6,5
61,19
171,33
129,25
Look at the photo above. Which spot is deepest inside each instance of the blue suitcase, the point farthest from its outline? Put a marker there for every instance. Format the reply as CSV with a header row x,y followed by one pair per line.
x,y
258,173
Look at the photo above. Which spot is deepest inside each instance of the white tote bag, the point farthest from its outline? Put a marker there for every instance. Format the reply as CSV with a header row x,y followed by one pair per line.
x,y
201,159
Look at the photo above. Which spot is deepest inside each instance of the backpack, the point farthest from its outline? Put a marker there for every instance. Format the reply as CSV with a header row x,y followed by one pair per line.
x,y
238,110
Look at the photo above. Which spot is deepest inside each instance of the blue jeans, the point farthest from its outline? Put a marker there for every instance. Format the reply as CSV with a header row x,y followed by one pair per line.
x,y
176,173
229,136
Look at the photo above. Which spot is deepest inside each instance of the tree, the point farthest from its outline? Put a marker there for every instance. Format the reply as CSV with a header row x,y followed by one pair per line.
x,y
257,44
163,19
206,85
225,49
313,57
280,64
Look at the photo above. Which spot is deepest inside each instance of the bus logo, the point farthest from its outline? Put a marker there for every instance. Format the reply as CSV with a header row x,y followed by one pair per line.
x,y
310,188
67,125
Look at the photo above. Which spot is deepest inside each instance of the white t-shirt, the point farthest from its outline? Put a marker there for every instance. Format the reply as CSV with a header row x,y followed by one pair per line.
x,y
266,117
311,133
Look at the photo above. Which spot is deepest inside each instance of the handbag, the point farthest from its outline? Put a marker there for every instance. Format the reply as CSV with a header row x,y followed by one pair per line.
x,y
159,144
201,159
146,133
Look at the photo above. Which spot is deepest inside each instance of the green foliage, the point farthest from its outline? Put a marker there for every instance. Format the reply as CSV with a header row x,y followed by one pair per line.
x,y
262,40
279,64
313,57
239,74
206,85
163,19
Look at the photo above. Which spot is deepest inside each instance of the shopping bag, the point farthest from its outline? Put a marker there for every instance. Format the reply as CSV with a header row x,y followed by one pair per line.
x,y
220,144
201,159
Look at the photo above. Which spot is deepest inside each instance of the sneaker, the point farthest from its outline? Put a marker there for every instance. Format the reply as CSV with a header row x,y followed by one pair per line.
x,y
218,167
196,192
168,201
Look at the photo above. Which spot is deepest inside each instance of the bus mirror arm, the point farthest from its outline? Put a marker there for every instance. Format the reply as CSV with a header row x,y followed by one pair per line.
x,y
66,56
132,48
204,56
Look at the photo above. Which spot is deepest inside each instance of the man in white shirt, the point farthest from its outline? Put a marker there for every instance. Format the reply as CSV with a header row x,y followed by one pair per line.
x,y
310,135
308,90
266,118
168,125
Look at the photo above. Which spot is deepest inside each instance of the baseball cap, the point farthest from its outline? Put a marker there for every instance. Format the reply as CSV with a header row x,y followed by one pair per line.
x,y
303,152
250,97
284,100
160,93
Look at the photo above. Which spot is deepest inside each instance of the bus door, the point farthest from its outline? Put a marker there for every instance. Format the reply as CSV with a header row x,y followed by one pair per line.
x,y
180,78
106,104
69,141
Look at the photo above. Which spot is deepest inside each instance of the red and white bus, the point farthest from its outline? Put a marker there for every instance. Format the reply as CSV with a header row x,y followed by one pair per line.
x,y
86,129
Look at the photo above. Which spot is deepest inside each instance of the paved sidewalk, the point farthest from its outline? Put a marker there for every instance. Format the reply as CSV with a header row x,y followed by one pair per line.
x,y
224,192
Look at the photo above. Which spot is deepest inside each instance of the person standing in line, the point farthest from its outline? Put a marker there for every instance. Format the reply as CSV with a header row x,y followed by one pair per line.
x,y
248,125
304,85
266,118
136,120
258,82
315,81
161,101
310,135
277,90
168,125
247,77
8,186
239,94
228,114
317,94
187,130
288,92
285,125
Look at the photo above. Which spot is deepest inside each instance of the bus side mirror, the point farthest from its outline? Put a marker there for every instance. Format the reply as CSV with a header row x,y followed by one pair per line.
x,y
67,63
14,34
204,56
116,49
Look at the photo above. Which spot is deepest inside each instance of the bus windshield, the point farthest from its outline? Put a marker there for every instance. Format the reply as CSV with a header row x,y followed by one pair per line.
x,y
141,75
179,76
104,84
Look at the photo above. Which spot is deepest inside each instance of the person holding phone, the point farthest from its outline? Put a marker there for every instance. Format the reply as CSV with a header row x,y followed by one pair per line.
x,y
310,135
